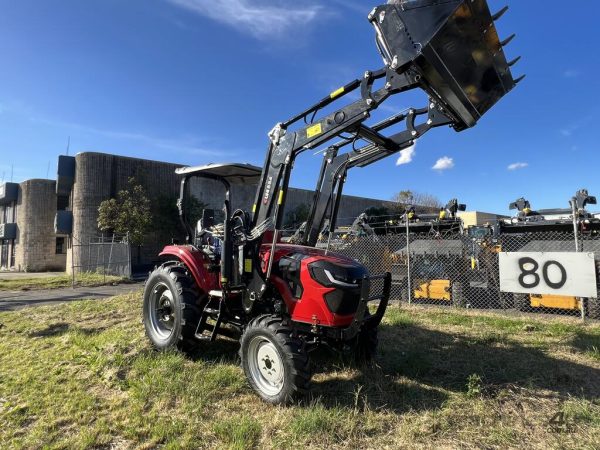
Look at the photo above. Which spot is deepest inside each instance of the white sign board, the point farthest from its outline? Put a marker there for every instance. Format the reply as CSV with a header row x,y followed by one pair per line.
x,y
558,273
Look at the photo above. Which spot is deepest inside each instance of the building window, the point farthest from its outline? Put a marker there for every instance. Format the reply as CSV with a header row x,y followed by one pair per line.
x,y
60,245
62,202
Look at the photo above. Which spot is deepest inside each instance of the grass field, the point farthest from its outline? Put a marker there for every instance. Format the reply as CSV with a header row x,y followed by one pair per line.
x,y
82,375
57,281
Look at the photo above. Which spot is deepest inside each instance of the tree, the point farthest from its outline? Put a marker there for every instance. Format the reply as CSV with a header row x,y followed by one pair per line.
x,y
165,215
407,198
129,213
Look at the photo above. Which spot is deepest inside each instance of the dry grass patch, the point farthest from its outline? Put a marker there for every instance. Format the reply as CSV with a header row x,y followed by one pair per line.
x,y
58,281
82,375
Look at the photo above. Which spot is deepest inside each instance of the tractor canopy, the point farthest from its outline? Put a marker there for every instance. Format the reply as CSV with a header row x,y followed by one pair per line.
x,y
234,173
454,46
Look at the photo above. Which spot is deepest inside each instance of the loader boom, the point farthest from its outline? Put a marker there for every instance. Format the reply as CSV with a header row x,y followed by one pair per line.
x,y
448,48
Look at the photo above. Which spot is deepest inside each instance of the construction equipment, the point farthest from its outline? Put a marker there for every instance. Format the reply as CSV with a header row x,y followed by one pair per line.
x,y
437,255
552,229
237,277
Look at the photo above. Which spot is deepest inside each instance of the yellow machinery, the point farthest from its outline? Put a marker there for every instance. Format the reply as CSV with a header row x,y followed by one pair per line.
x,y
554,301
432,289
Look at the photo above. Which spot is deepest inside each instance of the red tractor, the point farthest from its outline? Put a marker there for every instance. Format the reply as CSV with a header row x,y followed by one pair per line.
x,y
236,277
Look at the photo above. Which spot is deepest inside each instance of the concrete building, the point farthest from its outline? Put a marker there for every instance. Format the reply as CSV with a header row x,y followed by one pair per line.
x,y
48,225
479,218
28,241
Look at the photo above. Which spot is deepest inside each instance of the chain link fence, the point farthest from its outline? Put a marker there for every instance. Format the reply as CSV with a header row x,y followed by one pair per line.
x,y
456,270
101,257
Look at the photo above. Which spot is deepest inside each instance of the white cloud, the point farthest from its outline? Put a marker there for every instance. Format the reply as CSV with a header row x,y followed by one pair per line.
x,y
571,73
406,155
187,145
444,163
517,165
364,9
566,132
261,19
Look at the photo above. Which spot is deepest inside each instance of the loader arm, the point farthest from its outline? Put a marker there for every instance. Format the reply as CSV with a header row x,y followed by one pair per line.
x,y
331,181
450,49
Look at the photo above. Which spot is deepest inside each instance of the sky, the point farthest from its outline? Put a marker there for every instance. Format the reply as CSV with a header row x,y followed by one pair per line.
x,y
199,81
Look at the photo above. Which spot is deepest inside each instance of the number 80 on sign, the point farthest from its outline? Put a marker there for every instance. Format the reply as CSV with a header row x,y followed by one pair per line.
x,y
558,273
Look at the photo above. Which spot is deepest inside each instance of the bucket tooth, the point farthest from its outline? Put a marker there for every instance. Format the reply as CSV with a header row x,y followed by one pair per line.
x,y
507,40
518,80
514,61
499,13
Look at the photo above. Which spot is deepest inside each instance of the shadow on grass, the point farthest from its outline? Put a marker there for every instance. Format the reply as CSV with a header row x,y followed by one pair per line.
x,y
58,329
416,368
223,350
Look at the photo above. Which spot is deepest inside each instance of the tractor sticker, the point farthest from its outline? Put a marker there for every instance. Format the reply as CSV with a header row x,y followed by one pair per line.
x,y
267,190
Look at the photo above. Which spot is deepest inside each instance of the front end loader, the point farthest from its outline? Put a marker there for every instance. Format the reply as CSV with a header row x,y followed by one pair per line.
x,y
238,278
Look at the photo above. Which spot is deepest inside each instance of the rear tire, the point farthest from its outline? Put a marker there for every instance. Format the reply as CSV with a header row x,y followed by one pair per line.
x,y
275,363
171,307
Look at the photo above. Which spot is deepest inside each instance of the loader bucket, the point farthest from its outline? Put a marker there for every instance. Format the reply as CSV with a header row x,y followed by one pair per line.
x,y
453,45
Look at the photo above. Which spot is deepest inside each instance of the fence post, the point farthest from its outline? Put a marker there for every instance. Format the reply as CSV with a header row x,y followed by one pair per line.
x,y
111,250
578,248
72,261
103,260
89,260
129,257
408,259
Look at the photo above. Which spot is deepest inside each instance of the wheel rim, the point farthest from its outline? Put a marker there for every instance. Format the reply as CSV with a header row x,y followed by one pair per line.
x,y
266,366
162,312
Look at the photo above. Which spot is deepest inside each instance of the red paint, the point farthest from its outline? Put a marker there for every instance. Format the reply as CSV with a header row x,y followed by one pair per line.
x,y
197,263
310,308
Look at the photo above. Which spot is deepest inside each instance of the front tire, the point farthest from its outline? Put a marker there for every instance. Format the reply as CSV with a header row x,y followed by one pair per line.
x,y
171,311
275,363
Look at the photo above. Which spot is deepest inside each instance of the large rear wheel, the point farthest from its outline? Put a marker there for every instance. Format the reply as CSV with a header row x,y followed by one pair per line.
x,y
171,311
275,363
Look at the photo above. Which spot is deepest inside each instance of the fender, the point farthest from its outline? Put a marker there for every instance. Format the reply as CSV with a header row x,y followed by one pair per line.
x,y
196,262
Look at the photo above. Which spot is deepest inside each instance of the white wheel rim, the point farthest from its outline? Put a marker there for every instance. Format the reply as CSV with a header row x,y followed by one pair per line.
x,y
266,365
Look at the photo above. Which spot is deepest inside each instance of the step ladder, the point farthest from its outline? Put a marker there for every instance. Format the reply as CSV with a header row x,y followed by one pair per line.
x,y
210,321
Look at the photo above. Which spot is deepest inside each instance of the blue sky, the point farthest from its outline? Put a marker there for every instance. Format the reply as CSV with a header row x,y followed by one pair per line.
x,y
197,81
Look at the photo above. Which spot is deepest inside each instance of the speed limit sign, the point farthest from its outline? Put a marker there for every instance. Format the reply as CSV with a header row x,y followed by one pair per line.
x,y
559,273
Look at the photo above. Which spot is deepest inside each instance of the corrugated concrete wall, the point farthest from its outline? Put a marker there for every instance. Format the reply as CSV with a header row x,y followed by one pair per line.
x,y
36,241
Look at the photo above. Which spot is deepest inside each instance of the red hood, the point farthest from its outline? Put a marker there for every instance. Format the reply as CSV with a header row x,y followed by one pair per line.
x,y
283,249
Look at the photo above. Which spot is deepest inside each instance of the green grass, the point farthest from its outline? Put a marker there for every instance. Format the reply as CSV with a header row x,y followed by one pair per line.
x,y
58,281
82,375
